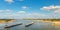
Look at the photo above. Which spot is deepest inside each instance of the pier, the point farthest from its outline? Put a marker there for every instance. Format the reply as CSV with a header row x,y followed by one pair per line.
x,y
7,27
29,24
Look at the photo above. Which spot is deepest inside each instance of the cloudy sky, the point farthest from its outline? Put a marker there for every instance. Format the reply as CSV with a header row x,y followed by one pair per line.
x,y
17,9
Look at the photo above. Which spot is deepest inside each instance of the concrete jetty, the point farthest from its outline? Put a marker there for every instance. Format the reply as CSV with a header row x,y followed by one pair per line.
x,y
13,25
29,24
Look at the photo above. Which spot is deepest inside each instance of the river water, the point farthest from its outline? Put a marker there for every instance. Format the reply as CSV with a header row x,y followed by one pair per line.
x,y
38,25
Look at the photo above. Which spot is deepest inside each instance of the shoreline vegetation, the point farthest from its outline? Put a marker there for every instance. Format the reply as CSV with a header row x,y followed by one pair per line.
x,y
31,19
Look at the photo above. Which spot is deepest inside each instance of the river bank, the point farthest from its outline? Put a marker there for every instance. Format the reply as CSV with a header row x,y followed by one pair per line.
x,y
2,21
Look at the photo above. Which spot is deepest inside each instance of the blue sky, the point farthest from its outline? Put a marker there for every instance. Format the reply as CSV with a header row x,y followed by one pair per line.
x,y
29,9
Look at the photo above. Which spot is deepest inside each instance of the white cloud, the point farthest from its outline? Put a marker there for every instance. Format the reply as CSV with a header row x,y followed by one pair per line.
x,y
24,7
9,1
35,15
21,12
27,15
50,8
21,15
1,11
57,11
7,10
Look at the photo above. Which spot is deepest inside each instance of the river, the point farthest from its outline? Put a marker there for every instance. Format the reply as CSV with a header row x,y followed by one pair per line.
x,y
38,25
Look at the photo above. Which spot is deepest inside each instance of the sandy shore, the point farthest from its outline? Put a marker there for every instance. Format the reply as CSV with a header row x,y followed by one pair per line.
x,y
54,23
3,21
